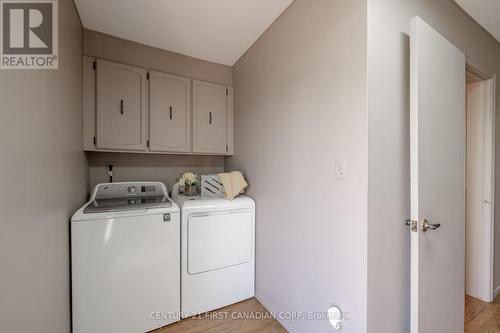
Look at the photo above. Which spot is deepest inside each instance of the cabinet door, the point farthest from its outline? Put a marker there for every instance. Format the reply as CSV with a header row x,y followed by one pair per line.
x,y
121,106
88,104
169,113
209,118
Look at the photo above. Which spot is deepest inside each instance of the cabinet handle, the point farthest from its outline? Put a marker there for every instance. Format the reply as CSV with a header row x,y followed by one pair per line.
x,y
210,118
121,106
170,113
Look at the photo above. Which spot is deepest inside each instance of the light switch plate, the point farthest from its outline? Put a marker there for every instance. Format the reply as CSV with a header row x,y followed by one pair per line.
x,y
341,169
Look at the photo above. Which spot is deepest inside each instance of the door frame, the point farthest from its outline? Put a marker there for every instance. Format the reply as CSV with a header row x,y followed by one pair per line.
x,y
487,223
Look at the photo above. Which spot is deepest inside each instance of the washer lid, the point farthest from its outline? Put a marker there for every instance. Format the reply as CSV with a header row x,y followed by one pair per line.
x,y
127,204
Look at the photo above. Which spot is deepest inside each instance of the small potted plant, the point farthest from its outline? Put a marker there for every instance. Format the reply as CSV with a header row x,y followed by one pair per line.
x,y
189,184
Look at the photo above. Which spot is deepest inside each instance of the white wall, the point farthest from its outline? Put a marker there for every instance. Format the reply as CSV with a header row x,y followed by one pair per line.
x,y
44,177
388,159
300,103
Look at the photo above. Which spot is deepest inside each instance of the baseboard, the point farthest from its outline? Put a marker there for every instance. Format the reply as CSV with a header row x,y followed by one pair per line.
x,y
496,292
271,309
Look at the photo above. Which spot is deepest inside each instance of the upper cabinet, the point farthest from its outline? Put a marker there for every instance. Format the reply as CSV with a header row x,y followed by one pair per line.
x,y
169,113
126,108
89,136
210,118
121,106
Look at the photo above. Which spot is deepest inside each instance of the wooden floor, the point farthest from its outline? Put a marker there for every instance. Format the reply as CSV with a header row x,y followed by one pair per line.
x,y
482,317
229,319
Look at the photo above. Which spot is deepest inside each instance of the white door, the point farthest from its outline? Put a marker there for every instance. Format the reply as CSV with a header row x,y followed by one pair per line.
x,y
210,118
437,125
121,106
169,113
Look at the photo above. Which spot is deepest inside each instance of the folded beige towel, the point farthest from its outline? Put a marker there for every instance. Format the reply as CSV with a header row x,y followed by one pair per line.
x,y
234,183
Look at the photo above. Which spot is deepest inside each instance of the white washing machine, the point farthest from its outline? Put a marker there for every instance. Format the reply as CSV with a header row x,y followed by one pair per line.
x,y
217,252
125,252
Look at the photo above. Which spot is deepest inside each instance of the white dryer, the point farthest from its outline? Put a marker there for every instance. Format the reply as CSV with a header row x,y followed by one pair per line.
x,y
125,252
217,252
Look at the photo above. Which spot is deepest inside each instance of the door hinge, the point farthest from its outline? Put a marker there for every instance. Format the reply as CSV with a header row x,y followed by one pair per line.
x,y
147,143
94,65
147,76
227,148
95,140
227,91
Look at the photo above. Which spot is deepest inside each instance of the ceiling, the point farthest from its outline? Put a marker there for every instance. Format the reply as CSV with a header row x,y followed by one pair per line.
x,y
485,12
215,30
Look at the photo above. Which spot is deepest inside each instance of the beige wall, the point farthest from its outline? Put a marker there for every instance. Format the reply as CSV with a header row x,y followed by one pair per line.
x,y
137,167
388,159
44,177
117,49
140,167
300,103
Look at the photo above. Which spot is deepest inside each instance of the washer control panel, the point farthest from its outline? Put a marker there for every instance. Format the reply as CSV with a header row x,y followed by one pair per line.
x,y
126,190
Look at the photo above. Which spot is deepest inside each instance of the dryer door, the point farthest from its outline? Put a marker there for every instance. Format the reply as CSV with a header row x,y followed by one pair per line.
x,y
219,239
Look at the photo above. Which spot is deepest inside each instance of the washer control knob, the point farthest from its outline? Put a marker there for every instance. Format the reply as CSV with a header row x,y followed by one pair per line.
x,y
131,189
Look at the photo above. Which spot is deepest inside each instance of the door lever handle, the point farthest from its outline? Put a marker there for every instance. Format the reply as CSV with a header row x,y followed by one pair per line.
x,y
426,226
412,224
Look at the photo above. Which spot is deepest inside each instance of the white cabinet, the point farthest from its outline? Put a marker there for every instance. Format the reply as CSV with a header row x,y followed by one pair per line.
x,y
121,106
88,103
169,113
211,118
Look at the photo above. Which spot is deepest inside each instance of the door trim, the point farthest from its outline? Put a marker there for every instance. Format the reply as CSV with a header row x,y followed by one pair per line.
x,y
487,223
